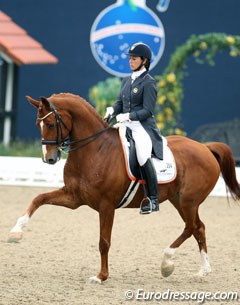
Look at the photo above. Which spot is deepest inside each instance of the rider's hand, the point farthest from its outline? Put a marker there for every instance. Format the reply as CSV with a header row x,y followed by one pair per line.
x,y
109,113
123,117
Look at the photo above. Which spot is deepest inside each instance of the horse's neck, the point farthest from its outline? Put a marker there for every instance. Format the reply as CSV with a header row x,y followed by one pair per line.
x,y
93,161
92,158
85,119
85,124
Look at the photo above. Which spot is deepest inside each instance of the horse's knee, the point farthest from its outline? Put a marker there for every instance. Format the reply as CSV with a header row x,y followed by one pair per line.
x,y
37,201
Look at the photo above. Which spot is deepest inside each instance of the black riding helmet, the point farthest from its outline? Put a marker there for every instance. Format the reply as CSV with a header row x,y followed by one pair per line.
x,y
142,50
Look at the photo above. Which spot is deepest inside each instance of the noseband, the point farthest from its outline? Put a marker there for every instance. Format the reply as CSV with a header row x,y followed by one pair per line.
x,y
59,140
63,144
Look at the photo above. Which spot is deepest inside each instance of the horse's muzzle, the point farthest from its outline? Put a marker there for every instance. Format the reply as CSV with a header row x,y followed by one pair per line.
x,y
52,157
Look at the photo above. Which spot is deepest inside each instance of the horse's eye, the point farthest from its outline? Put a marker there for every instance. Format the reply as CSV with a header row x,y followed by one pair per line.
x,y
51,126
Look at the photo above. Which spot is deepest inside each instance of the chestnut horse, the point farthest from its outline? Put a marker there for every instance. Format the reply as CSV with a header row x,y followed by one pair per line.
x,y
95,175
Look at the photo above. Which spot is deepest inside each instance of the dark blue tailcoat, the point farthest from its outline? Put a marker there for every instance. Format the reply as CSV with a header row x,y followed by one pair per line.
x,y
139,99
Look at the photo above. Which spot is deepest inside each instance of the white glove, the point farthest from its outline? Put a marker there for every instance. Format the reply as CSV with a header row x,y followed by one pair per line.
x,y
109,112
123,117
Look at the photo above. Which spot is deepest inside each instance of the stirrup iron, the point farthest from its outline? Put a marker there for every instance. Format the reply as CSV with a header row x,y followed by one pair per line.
x,y
148,202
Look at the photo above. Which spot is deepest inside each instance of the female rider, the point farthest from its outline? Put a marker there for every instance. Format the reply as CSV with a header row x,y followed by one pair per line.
x,y
135,108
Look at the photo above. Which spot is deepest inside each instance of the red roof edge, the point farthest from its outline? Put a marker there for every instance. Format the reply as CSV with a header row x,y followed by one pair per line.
x,y
13,40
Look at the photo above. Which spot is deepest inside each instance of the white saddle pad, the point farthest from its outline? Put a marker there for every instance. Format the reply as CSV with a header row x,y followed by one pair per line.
x,y
165,169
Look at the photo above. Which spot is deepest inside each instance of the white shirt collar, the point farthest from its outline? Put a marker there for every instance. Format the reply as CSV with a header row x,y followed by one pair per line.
x,y
136,74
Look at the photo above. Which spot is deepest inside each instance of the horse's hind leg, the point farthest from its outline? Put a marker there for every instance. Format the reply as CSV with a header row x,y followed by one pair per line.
x,y
59,197
199,234
187,211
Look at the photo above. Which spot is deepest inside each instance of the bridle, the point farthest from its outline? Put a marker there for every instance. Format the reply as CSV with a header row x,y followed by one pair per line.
x,y
59,140
63,144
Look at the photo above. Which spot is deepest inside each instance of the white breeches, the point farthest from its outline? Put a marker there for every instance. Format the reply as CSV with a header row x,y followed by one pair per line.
x,y
142,141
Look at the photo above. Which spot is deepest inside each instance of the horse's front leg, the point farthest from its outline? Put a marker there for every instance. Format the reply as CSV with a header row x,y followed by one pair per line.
x,y
106,217
59,197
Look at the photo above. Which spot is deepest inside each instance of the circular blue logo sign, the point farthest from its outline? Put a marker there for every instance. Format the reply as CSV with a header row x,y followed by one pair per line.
x,y
117,28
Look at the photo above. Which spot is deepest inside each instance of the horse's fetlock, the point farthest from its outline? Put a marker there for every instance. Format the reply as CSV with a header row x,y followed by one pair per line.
x,y
103,276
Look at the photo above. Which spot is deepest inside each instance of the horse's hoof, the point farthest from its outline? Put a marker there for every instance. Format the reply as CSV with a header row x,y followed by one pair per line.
x,y
15,237
94,280
203,272
167,268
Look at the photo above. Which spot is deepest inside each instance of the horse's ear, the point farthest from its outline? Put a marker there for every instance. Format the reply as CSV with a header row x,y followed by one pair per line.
x,y
45,102
32,101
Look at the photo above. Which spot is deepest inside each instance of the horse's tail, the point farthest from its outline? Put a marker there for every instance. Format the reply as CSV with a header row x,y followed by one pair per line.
x,y
224,156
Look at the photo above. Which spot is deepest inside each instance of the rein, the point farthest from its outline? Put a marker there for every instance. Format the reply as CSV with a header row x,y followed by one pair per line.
x,y
64,144
90,138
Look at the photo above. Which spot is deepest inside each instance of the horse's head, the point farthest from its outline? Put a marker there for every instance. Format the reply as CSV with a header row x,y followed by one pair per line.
x,y
55,125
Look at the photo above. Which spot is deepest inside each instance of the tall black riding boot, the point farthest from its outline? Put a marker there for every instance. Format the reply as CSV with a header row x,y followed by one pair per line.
x,y
152,186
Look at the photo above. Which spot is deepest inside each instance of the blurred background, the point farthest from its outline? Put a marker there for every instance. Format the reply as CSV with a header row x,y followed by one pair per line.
x,y
78,56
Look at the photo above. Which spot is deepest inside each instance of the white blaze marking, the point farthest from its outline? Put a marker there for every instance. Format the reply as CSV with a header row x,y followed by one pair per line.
x,y
44,149
44,152
41,125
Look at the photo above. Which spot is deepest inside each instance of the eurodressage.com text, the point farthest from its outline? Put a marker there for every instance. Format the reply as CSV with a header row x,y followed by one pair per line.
x,y
168,295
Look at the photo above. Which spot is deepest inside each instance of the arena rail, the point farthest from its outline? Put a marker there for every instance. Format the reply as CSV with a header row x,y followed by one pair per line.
x,y
22,171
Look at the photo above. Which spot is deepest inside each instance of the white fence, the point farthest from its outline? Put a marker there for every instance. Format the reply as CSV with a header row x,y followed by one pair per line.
x,y
30,172
33,172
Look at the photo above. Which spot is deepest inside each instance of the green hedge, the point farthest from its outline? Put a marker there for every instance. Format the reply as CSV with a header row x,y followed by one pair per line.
x,y
22,149
202,48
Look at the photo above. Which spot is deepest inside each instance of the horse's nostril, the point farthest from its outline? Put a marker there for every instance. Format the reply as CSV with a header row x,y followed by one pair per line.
x,y
51,161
